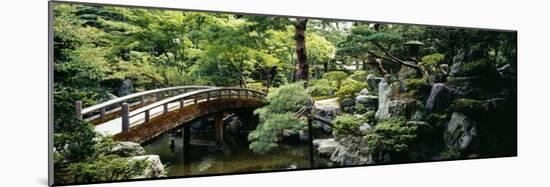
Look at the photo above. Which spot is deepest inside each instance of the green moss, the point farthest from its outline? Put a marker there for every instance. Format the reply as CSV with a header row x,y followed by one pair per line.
x,y
466,105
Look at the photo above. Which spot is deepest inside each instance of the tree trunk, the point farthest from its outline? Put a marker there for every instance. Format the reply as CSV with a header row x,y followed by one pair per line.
x,y
303,68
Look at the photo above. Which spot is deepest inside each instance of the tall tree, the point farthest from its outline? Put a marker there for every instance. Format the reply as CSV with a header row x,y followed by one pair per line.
x,y
303,67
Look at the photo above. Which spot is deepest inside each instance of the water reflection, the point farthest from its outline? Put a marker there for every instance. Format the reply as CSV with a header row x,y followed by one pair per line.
x,y
204,158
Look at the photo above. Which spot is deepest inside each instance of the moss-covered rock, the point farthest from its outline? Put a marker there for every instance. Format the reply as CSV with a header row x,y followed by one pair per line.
x,y
467,106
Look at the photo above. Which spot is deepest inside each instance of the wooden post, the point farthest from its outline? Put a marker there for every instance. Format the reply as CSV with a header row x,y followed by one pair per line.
x,y
102,113
207,96
165,108
195,99
158,96
146,116
219,128
142,100
78,110
182,103
125,117
219,94
246,93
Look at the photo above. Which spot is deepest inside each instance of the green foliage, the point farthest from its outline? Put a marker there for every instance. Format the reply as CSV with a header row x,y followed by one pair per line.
x,y
450,153
258,86
350,88
391,135
475,68
278,118
431,62
359,75
336,77
103,165
319,87
369,116
415,85
347,124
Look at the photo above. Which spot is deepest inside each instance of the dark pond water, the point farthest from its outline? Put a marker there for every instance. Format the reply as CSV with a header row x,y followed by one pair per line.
x,y
235,157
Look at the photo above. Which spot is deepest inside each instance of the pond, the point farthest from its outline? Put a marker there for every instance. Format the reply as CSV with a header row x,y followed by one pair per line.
x,y
235,156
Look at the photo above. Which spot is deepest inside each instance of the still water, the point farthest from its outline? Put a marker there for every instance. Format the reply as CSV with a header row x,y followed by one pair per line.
x,y
235,157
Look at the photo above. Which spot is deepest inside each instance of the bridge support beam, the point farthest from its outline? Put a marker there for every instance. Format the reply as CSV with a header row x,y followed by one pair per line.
x,y
218,124
186,137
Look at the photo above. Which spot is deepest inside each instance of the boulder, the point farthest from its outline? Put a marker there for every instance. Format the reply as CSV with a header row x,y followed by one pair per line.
x,y
373,83
350,151
461,132
347,105
126,149
328,112
126,88
368,101
439,99
384,97
153,169
364,91
325,147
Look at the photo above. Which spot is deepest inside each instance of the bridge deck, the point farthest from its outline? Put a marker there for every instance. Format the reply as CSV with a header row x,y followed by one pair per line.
x,y
176,117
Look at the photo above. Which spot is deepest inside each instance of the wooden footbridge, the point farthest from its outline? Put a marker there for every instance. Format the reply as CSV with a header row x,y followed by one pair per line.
x,y
141,116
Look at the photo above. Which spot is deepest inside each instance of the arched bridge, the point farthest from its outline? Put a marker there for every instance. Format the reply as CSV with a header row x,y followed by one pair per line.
x,y
141,116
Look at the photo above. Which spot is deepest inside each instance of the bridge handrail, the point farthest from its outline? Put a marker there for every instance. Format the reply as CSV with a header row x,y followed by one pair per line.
x,y
188,94
120,100
126,115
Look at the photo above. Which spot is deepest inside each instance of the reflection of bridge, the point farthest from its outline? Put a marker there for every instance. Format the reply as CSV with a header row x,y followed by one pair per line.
x,y
141,116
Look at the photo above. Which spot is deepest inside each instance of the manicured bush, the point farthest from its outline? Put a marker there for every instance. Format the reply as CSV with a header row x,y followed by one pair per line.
x,y
350,88
347,125
391,135
359,75
320,87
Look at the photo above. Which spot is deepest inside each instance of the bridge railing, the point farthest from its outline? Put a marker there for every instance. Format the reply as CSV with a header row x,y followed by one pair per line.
x,y
102,109
193,97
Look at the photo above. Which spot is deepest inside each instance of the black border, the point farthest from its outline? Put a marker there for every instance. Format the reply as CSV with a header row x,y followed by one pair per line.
x,y
51,4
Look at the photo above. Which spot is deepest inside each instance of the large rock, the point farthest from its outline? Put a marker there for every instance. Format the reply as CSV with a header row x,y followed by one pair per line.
x,y
325,147
384,98
364,91
396,108
126,88
439,99
126,149
328,112
373,83
370,102
153,169
350,151
461,132
347,105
